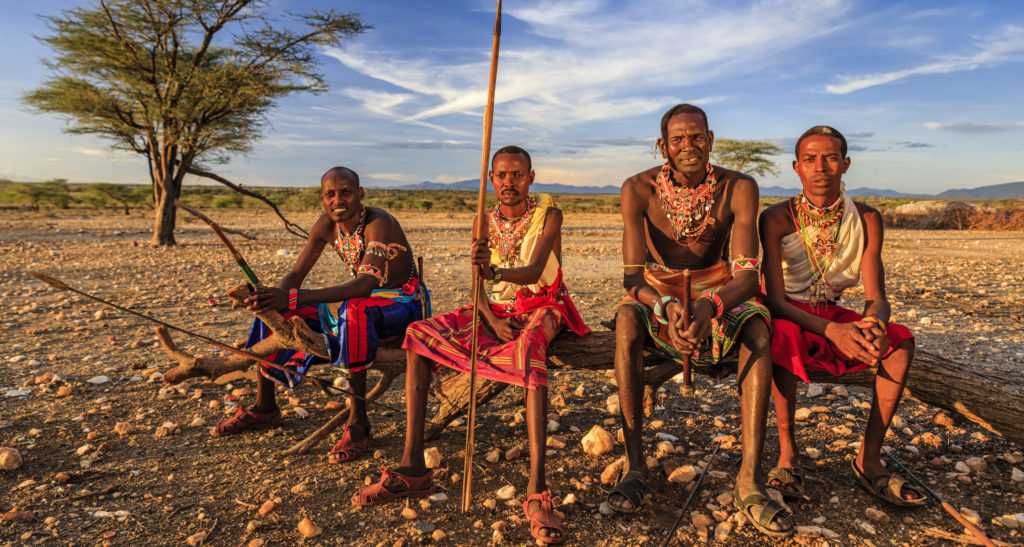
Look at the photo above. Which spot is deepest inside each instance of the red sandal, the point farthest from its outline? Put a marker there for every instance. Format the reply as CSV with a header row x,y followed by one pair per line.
x,y
377,494
246,420
347,450
545,517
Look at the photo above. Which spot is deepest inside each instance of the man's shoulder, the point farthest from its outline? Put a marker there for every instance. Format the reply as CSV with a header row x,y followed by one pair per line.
x,y
777,212
865,210
378,215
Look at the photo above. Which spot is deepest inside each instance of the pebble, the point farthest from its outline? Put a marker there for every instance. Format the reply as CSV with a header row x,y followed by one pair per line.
x,y
556,441
490,503
977,464
700,520
438,497
812,453
667,437
513,453
840,391
506,492
252,526
808,531
18,393
802,414
432,457
683,474
725,499
124,428
1016,475
597,441
876,515
606,509
267,507
300,488
409,513
256,542
97,380
943,419
10,458
611,472
970,515
300,412
723,530
866,527
423,527
196,538
1013,458
308,529
438,535
815,390
63,391
493,456
553,426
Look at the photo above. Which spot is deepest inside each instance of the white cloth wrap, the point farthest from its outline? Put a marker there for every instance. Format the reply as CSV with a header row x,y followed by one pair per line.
x,y
842,273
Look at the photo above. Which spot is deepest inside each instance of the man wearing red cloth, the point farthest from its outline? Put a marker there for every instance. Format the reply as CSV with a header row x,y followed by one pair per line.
x,y
816,245
529,305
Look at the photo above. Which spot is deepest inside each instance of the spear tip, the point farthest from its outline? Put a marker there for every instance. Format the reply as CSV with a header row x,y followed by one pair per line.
x,y
51,281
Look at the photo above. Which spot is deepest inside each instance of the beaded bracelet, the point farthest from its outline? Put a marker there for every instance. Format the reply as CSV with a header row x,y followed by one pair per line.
x,y
293,298
872,319
497,275
716,302
659,308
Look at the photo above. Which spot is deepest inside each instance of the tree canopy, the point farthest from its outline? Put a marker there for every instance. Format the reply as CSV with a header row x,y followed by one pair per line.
x,y
181,82
747,156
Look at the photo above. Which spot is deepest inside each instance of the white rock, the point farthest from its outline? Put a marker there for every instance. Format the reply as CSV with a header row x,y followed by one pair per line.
x,y
300,412
506,492
10,458
283,252
432,457
866,527
553,426
97,380
667,437
597,441
802,414
18,393
815,390
1016,475
438,497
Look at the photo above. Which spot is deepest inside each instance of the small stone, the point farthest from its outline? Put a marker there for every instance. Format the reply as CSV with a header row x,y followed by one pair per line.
x,y
10,458
569,499
62,391
683,474
196,539
513,453
256,542
611,472
252,526
725,499
700,520
866,527
815,390
124,428
840,391
597,441
555,441
308,529
300,412
812,453
267,507
1007,521
499,525
1016,475
97,380
300,488
970,515
802,414
438,535
606,509
553,426
876,515
438,497
423,527
506,492
409,513
808,531
432,457
722,531
978,465
1013,458
197,422
490,503
100,314
333,405
943,419
493,456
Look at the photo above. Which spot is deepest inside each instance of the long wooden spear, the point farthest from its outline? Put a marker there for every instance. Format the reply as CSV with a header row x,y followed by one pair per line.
x,y
479,232
687,388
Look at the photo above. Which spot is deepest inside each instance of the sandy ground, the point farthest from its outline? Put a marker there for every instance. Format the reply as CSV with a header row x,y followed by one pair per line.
x,y
961,292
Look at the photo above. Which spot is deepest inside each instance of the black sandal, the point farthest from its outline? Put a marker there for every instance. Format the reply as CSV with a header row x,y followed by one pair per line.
x,y
790,482
632,488
770,509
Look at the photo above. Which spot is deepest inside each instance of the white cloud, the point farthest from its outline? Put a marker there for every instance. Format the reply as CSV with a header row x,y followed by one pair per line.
x,y
1003,46
90,151
974,128
591,64
388,176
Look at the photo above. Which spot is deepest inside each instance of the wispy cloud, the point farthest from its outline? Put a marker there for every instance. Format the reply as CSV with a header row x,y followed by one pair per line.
x,y
400,177
91,151
974,128
1002,46
588,66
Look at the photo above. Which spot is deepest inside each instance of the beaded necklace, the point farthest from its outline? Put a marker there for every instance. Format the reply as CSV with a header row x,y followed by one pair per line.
x,y
688,209
507,233
820,225
350,246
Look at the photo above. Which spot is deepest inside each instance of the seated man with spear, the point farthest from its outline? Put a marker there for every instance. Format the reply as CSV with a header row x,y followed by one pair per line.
x,y
677,220
378,303
529,306
816,245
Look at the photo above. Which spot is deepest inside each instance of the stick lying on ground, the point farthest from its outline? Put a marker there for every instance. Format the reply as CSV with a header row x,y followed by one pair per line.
x,y
668,538
949,508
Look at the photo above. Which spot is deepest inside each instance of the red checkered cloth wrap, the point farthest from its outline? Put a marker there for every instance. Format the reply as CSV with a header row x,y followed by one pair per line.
x,y
798,350
446,339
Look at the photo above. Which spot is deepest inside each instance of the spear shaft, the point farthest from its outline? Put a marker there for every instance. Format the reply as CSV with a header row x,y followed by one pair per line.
x,y
479,232
249,274
687,388
668,538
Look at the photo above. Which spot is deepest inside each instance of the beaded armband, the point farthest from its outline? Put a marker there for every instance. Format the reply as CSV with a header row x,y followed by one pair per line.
x,y
386,251
659,308
374,271
293,298
716,302
745,263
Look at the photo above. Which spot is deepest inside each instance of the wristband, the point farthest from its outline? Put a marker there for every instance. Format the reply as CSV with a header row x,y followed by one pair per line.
x,y
293,298
872,319
659,308
716,302
496,271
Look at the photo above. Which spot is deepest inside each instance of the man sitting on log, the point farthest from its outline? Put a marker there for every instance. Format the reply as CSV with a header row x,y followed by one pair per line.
x,y
816,245
679,216
378,303
529,305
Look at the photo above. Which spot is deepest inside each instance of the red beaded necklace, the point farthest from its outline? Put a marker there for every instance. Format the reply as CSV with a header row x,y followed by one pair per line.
x,y
350,246
507,233
688,209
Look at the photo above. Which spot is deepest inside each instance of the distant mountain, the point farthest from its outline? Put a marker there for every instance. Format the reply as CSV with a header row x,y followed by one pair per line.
x,y
995,191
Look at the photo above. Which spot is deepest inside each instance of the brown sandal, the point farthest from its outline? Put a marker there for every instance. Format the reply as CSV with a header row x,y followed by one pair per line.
x,y
377,494
246,420
347,450
542,518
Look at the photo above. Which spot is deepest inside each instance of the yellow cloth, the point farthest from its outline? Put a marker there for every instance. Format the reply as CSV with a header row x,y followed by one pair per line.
x,y
505,292
843,273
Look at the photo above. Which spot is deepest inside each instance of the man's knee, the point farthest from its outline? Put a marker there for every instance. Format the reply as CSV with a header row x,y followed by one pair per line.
x,y
756,336
629,325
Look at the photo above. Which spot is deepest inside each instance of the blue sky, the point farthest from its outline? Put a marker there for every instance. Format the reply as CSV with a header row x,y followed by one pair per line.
x,y
928,93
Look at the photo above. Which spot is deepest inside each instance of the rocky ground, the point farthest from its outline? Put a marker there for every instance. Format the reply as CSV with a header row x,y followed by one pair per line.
x,y
110,455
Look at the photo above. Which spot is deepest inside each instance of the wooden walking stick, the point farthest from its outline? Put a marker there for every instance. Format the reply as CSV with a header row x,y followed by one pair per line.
x,y
945,505
479,232
669,536
687,388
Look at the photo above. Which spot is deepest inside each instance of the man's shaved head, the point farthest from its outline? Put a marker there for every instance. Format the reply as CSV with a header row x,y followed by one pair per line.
x,y
825,131
340,173
681,109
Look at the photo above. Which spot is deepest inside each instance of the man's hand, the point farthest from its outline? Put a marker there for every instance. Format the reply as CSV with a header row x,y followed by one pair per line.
x,y
266,299
482,258
874,333
506,330
850,338
687,340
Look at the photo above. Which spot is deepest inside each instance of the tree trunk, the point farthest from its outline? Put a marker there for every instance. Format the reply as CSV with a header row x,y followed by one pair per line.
x,y
166,213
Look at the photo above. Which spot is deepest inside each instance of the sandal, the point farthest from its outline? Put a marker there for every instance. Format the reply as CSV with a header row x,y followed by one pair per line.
x,y
246,420
886,487
787,480
346,449
377,494
545,517
632,487
770,510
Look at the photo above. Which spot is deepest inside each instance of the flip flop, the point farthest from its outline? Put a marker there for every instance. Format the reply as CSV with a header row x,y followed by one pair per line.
x,y
886,487
770,509
346,449
245,420
376,494
545,517
633,489
790,481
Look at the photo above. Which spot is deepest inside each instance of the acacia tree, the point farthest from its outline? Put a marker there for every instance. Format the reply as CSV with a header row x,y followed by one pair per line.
x,y
746,156
182,82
